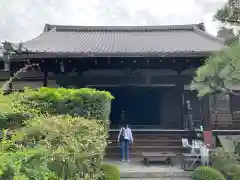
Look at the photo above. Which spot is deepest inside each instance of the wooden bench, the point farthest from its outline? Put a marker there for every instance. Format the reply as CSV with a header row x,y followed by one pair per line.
x,y
158,156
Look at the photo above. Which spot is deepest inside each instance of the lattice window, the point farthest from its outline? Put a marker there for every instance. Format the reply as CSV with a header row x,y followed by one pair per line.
x,y
220,103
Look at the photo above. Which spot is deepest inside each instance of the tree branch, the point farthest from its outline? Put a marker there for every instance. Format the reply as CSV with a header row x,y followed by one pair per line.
x,y
6,85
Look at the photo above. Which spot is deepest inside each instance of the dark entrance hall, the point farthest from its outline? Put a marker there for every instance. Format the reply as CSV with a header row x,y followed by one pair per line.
x,y
135,105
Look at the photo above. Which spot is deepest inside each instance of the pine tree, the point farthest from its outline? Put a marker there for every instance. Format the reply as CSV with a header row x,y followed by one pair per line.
x,y
221,72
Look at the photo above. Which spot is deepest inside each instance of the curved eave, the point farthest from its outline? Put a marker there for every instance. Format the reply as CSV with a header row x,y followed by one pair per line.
x,y
52,55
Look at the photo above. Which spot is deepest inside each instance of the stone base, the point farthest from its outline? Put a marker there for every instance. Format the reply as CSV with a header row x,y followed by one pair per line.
x,y
157,175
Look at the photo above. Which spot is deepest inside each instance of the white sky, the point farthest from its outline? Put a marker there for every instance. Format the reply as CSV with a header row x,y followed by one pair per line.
x,y
22,20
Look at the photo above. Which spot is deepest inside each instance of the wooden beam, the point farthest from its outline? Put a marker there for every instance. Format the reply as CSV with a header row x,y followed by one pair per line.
x,y
45,78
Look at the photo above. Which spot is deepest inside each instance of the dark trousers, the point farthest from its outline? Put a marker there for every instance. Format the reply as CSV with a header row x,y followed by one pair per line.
x,y
124,149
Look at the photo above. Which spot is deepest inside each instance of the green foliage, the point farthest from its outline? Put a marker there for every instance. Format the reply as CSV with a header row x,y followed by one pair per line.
x,y
85,102
220,73
57,134
224,161
76,145
237,148
229,13
111,172
236,176
23,163
62,146
12,120
234,170
228,35
207,173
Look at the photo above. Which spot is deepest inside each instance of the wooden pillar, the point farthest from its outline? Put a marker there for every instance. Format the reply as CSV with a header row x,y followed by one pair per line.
x,y
6,59
148,79
45,70
180,88
7,68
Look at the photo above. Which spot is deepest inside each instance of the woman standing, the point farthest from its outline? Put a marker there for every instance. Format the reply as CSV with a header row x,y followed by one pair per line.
x,y
125,138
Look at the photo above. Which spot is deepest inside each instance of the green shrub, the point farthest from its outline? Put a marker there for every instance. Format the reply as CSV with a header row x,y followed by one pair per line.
x,y
237,148
110,172
207,173
12,120
62,134
234,170
86,102
61,146
76,145
223,161
8,117
21,162
236,176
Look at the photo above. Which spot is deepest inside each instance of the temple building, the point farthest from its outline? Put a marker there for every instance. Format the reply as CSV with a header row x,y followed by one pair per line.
x,y
148,70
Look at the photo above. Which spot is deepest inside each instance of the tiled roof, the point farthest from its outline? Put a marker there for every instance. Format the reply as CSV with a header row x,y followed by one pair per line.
x,y
124,40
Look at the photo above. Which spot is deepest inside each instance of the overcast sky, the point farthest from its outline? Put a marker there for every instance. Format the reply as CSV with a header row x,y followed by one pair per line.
x,y
22,20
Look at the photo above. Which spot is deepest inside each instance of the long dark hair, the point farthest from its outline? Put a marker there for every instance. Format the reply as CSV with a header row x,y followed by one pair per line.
x,y
124,126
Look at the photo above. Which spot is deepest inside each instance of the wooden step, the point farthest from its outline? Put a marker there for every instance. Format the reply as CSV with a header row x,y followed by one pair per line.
x,y
116,155
139,149
149,134
153,140
148,142
143,142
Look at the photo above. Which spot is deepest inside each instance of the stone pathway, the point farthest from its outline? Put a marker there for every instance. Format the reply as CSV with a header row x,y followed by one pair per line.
x,y
228,141
136,170
170,178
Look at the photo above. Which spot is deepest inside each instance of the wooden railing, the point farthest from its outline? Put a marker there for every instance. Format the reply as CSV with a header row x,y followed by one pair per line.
x,y
225,121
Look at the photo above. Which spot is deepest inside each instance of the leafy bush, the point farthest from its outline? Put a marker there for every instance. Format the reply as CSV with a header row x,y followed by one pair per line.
x,y
207,173
111,172
236,176
76,145
86,102
237,146
23,163
8,117
54,141
223,161
234,170
61,146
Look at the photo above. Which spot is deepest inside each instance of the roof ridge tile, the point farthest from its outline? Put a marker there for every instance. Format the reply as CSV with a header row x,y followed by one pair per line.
x,y
187,27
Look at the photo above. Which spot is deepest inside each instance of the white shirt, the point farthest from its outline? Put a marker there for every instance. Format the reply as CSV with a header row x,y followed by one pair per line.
x,y
127,134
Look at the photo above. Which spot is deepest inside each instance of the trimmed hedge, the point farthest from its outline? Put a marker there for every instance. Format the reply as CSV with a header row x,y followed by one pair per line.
x,y
62,133
86,102
111,172
207,173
